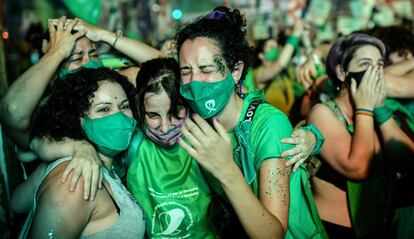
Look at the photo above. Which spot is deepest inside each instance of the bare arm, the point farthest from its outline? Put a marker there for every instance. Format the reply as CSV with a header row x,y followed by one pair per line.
x,y
85,161
23,96
401,68
350,155
22,199
269,70
138,51
60,213
400,86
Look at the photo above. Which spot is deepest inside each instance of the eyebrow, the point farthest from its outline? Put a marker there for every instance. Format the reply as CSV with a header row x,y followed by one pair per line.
x,y
364,59
102,103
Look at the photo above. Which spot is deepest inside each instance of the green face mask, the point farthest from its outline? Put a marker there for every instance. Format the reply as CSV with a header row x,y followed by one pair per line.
x,y
208,99
91,64
272,54
111,134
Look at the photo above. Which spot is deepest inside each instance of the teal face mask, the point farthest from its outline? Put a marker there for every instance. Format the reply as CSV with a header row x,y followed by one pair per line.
x,y
272,54
111,134
91,64
208,99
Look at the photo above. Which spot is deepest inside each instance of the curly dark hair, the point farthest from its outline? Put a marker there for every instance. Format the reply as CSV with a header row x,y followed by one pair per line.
x,y
228,28
156,75
69,100
342,52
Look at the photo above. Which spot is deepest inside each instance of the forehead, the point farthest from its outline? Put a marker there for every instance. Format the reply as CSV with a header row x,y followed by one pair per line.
x,y
157,101
108,90
83,44
367,51
198,50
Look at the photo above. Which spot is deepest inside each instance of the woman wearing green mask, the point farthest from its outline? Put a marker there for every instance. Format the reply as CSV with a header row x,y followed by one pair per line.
x,y
234,137
271,71
95,105
364,145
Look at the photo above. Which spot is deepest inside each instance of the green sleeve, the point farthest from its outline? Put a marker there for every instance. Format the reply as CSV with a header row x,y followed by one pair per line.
x,y
270,130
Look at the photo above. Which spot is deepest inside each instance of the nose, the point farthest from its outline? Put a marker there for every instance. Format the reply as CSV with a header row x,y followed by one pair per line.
x,y
165,125
85,59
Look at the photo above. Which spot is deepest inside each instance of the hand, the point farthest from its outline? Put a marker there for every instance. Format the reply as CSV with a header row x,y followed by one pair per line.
x,y
61,38
298,28
93,33
306,73
86,162
304,142
366,95
381,89
211,148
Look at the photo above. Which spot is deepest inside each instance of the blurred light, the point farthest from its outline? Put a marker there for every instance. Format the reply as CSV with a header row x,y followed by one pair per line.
x,y
156,8
177,14
5,35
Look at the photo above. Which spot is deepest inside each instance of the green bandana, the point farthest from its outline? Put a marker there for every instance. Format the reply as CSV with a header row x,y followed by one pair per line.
x,y
208,99
111,134
91,64
272,54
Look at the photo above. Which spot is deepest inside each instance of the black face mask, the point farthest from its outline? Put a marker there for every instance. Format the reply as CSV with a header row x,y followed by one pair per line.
x,y
356,75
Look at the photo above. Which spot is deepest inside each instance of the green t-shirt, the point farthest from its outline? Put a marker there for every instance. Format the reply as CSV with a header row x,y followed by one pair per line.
x,y
269,126
170,187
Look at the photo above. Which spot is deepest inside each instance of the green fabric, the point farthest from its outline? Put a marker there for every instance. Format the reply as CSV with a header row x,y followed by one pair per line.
x,y
249,81
255,142
369,200
88,10
272,54
111,134
91,64
304,221
170,187
208,98
394,106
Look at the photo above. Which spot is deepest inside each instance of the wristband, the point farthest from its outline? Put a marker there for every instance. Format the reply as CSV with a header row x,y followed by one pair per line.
x,y
382,115
364,110
293,40
364,113
318,135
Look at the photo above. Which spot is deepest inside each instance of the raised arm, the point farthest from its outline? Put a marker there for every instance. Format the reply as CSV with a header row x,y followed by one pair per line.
x,y
23,96
400,86
138,51
350,155
267,72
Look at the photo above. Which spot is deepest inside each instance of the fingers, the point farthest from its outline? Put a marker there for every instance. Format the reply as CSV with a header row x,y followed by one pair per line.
x,y
293,160
75,178
291,152
100,184
79,34
221,131
353,86
70,24
51,28
203,125
61,23
190,137
298,164
68,169
188,148
195,131
95,181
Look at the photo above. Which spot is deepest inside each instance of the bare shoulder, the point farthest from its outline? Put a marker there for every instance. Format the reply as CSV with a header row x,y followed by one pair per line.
x,y
55,193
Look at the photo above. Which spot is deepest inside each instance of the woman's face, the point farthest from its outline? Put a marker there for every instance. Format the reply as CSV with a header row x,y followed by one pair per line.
x,y
201,60
269,45
110,98
83,51
364,57
157,111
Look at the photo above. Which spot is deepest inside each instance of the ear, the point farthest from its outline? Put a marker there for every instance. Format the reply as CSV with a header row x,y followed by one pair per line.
x,y
237,71
340,72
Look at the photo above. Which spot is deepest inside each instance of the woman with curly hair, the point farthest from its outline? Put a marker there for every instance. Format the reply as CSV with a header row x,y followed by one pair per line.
x,y
237,138
95,105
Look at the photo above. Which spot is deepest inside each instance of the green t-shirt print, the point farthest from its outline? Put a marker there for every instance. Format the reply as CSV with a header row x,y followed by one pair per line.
x,y
170,187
